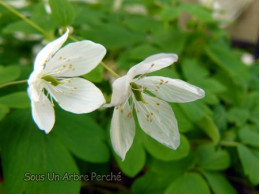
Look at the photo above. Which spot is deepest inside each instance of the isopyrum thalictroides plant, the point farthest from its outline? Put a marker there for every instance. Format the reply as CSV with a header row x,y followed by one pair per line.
x,y
83,62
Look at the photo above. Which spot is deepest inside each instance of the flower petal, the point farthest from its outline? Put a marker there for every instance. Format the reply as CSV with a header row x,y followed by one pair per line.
x,y
75,59
122,129
171,90
157,119
77,95
43,113
152,63
34,91
48,51
121,89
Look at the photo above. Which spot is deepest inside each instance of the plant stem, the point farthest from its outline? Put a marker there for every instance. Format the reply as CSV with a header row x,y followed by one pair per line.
x,y
109,69
13,83
30,22
229,143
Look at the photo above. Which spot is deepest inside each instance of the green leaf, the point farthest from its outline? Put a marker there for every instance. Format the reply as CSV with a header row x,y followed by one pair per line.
x,y
173,41
184,124
1,188
16,100
250,163
113,36
230,63
193,70
220,117
82,136
198,75
19,26
172,168
195,111
210,128
249,136
164,153
9,73
151,183
134,160
3,111
238,116
95,75
218,183
189,183
198,11
62,11
170,13
211,159
27,151
39,16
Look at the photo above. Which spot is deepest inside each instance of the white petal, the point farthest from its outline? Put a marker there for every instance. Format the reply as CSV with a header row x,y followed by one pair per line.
x,y
121,89
43,114
34,91
48,51
77,95
75,59
122,129
152,63
171,90
157,119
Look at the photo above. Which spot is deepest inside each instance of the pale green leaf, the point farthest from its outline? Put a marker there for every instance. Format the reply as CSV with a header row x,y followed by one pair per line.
x,y
210,158
189,183
16,100
9,73
210,128
250,163
62,11
164,153
218,183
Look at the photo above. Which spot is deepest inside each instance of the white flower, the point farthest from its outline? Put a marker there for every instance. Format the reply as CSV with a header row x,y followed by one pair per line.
x,y
155,116
55,75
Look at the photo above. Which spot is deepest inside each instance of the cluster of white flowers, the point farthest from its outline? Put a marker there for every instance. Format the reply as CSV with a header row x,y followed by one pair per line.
x,y
55,76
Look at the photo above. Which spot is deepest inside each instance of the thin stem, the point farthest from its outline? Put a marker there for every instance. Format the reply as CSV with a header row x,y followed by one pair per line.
x,y
109,69
13,83
229,143
36,26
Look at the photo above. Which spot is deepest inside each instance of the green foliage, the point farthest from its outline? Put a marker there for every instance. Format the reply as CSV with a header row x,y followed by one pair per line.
x,y
27,151
211,158
209,127
3,111
250,163
9,73
95,75
16,100
218,183
187,184
219,134
62,11
164,153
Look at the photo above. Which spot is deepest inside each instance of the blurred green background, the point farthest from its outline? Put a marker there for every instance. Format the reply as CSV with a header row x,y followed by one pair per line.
x,y
220,137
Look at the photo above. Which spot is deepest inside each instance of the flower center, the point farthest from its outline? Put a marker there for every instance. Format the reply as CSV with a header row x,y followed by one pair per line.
x,y
51,80
137,91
